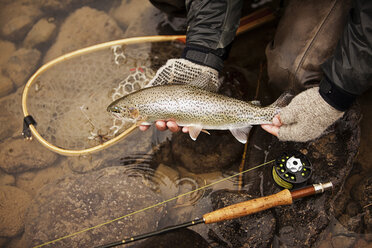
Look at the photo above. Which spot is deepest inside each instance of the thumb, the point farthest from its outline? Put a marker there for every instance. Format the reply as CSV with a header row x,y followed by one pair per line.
x,y
288,115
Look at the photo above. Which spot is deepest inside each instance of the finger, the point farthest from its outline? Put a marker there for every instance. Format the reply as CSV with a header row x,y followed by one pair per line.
x,y
185,129
276,121
144,127
161,125
288,114
173,127
270,129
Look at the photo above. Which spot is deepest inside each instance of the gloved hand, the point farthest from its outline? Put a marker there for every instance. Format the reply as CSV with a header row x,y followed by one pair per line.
x,y
183,71
305,118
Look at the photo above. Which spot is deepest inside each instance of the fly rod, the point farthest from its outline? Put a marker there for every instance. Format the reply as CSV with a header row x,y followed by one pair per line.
x,y
284,197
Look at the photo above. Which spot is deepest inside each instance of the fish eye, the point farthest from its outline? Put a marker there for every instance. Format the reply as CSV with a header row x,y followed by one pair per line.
x,y
116,109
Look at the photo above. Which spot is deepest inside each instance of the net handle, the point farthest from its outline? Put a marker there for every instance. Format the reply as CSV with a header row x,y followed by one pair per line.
x,y
247,23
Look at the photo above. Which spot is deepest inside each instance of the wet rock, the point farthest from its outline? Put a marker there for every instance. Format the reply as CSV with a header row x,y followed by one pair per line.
x,y
21,65
14,203
84,27
362,192
19,155
18,242
256,230
142,22
208,153
11,115
183,238
343,241
128,12
3,241
59,5
81,201
32,182
6,85
6,179
17,18
7,48
40,33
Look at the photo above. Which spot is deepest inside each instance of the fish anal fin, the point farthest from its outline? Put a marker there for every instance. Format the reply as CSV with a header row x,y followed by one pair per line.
x,y
241,134
194,131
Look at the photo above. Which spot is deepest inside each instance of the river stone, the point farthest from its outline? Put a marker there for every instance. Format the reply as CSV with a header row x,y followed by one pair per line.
x,y
6,179
40,33
78,202
14,203
85,27
129,11
7,48
59,5
21,65
11,115
362,192
31,182
256,230
17,18
208,153
18,155
6,85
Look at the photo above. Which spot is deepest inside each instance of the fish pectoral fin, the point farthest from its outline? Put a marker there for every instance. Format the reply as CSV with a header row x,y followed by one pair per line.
x,y
194,131
241,134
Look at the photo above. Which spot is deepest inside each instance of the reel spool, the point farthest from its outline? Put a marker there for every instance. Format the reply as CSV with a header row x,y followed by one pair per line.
x,y
292,170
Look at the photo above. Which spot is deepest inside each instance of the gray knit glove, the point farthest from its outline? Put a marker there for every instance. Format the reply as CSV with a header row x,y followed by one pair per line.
x,y
306,117
182,71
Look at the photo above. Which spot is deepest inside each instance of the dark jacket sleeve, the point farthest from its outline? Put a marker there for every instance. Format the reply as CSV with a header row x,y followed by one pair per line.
x,y
211,27
348,73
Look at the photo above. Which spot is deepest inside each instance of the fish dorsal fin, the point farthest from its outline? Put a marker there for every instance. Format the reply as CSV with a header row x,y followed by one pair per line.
x,y
194,131
241,134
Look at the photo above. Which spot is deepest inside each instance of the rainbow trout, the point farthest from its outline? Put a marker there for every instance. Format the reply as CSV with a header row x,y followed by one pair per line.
x,y
193,107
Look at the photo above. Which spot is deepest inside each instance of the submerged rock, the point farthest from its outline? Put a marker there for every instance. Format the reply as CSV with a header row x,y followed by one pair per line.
x,y
78,202
19,155
7,48
6,179
6,85
21,65
32,182
17,18
41,32
208,153
84,27
14,203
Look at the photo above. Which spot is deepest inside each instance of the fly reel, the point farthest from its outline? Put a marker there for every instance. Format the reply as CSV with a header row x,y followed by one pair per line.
x,y
292,170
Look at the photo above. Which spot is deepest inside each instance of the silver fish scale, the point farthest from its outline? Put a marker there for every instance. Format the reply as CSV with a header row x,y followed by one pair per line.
x,y
190,105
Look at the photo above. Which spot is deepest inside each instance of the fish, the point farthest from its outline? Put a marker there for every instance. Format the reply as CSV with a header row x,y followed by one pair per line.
x,y
195,108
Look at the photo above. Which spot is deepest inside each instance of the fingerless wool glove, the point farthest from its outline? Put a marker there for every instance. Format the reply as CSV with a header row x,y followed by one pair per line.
x,y
306,117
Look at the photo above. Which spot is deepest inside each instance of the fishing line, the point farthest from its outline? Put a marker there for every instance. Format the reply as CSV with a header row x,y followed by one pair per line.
x,y
155,205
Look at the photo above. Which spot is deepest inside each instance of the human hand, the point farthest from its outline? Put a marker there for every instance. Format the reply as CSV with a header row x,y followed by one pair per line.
x,y
305,118
183,71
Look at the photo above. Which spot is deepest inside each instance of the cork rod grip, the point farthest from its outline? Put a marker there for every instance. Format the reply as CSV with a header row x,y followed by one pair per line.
x,y
249,207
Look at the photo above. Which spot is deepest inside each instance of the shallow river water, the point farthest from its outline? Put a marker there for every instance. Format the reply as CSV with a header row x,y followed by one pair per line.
x,y
152,179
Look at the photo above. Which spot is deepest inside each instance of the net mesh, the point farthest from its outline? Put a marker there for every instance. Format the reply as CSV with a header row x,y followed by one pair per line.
x,y
69,100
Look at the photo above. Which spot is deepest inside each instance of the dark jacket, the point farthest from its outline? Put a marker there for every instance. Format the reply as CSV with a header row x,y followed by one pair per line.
x,y
348,73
